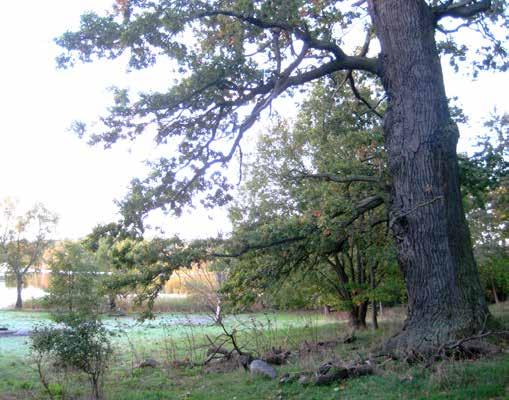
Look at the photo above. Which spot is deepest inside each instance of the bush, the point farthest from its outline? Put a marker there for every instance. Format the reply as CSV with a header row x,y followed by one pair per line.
x,y
83,346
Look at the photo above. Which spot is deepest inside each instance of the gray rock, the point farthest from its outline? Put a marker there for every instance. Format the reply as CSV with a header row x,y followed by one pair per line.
x,y
259,367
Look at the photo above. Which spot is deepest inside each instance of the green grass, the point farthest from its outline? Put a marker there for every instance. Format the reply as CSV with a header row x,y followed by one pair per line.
x,y
482,379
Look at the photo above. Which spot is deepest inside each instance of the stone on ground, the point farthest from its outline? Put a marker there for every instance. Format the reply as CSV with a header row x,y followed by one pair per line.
x,y
259,367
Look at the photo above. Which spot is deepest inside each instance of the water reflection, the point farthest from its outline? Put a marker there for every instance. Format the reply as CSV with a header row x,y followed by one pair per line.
x,y
34,288
36,285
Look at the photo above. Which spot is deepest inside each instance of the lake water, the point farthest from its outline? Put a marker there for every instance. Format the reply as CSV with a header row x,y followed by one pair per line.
x,y
35,288
37,284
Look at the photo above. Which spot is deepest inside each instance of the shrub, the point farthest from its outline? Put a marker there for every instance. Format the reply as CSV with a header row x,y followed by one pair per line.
x,y
83,346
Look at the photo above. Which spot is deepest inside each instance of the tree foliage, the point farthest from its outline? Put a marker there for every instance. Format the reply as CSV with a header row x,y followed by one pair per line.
x,y
74,288
84,346
312,209
230,60
486,194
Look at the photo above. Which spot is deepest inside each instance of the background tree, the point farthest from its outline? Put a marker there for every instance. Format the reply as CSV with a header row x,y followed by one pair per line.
x,y
312,206
24,239
74,288
235,57
99,242
485,184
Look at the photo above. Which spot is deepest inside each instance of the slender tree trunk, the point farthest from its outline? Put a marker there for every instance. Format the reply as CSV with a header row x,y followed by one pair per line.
x,y
19,288
494,290
218,315
372,283
445,298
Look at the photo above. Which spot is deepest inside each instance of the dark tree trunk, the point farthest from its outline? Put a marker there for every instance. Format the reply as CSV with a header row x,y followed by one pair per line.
x,y
19,288
374,315
353,318
112,301
357,316
363,312
445,298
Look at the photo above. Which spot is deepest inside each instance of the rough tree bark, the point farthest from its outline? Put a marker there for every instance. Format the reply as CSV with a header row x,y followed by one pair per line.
x,y
445,298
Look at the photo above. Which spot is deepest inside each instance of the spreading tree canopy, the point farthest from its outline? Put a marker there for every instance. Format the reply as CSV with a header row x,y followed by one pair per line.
x,y
231,58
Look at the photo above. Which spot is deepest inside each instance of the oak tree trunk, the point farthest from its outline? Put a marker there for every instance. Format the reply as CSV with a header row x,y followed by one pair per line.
x,y
445,298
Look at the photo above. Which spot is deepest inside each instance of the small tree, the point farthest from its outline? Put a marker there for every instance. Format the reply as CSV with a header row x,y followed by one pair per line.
x,y
74,289
24,239
83,343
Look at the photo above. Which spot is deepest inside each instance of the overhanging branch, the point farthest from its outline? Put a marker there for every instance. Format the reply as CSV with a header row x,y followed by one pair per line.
x,y
363,206
337,178
348,62
461,9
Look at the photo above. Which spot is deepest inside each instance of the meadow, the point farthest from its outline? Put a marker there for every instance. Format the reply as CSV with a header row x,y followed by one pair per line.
x,y
179,342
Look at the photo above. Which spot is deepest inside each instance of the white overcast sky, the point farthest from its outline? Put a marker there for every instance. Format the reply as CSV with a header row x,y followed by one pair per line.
x,y
41,161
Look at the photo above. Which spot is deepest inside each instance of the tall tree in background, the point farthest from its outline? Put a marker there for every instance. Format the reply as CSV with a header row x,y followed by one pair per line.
x,y
235,57
312,208
485,187
24,239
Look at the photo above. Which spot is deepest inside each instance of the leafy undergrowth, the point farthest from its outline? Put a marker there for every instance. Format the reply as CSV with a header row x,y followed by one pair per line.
x,y
481,379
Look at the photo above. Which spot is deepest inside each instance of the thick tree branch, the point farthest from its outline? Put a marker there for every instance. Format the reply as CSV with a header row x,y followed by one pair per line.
x,y
348,62
363,206
338,179
272,90
462,9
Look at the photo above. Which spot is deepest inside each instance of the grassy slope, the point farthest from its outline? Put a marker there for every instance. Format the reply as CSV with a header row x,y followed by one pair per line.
x,y
487,379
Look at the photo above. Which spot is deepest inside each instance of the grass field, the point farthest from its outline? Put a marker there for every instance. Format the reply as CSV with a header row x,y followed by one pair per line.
x,y
172,337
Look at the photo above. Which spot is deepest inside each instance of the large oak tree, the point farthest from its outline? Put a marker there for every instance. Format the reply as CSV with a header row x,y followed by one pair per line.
x,y
232,58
